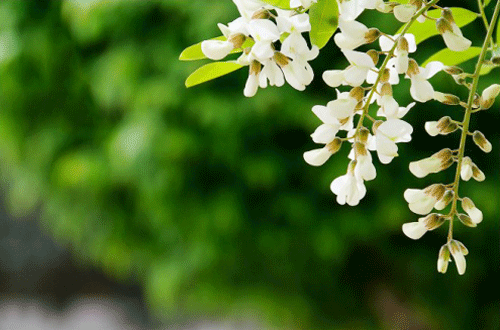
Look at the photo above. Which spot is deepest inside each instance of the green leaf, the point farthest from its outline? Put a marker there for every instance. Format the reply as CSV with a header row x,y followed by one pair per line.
x,y
498,34
450,58
424,31
486,3
194,52
283,4
485,69
324,18
211,71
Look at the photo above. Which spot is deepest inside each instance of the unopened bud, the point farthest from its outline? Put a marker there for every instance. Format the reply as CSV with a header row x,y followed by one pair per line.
x,y
386,89
447,14
495,60
352,166
443,26
403,45
261,14
474,213
335,145
412,68
466,220
445,200
372,35
363,135
357,93
443,259
374,55
433,221
416,3
481,141
359,149
477,174
385,76
436,191
453,70
489,95
446,125
448,99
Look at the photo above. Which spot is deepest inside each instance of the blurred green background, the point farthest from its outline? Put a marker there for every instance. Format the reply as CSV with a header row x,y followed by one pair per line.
x,y
201,196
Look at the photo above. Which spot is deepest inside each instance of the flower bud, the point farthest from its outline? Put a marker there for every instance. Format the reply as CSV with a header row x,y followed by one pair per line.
x,y
261,14
443,26
412,68
466,170
372,35
477,174
489,95
481,141
447,14
359,149
386,89
474,213
374,56
435,191
363,135
458,251
453,70
357,93
443,259
432,221
448,99
433,164
445,200
466,220
495,60
403,45
385,76
335,145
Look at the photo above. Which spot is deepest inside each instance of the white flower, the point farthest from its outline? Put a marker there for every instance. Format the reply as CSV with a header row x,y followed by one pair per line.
x,y
458,251
317,157
271,72
264,32
452,35
432,128
423,201
421,90
443,259
466,170
388,134
474,213
298,72
405,12
415,230
349,189
252,83
364,167
355,74
393,75
405,46
433,164
235,34
287,22
353,34
491,92
248,7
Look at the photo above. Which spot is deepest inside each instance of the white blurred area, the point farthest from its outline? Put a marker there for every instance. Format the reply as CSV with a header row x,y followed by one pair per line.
x,y
86,314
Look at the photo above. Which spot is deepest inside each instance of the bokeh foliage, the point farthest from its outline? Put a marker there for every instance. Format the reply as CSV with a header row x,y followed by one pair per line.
x,y
202,196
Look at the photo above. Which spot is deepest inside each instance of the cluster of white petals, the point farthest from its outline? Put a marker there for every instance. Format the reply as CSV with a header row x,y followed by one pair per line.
x,y
268,66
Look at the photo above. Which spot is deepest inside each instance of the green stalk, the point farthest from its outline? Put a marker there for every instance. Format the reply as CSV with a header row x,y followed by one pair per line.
x,y
467,116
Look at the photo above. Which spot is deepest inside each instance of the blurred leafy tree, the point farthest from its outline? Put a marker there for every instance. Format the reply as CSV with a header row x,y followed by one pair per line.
x,y
202,195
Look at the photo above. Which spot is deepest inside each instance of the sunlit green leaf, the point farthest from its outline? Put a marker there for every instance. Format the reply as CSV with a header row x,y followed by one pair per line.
x,y
423,31
194,52
283,4
449,57
485,69
486,2
324,18
211,71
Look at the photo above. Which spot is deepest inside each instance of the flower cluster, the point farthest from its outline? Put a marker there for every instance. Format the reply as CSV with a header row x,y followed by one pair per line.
x,y
339,115
278,52
439,196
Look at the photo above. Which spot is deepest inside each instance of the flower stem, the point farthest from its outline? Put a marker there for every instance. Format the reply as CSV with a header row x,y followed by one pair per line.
x,y
467,116
480,4
386,60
